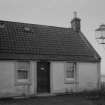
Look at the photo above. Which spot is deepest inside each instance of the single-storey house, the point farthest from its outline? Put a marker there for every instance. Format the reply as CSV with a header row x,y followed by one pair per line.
x,y
36,59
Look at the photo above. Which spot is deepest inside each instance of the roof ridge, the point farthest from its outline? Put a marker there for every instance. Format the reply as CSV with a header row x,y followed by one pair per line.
x,y
35,24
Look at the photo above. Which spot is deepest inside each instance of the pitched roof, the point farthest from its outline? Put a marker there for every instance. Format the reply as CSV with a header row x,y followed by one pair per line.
x,y
37,42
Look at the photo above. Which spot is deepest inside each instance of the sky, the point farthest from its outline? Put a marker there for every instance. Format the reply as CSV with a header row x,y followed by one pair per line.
x,y
58,13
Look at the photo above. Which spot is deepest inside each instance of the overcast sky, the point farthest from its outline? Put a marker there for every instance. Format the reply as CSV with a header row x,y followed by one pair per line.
x,y
58,13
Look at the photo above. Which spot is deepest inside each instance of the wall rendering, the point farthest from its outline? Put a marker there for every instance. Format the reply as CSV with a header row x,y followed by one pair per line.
x,y
7,75
88,76
8,84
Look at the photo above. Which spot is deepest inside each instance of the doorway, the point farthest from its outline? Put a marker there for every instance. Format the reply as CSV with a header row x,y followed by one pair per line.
x,y
43,77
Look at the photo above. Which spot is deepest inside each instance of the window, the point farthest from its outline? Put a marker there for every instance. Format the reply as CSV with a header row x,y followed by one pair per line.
x,y
22,71
70,72
22,74
2,25
27,29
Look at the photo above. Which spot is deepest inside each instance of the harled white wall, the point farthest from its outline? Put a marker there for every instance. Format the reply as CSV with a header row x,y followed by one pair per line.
x,y
8,84
7,75
57,70
58,78
33,78
88,76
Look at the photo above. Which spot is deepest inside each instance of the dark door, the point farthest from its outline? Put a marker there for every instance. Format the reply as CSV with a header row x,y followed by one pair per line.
x,y
43,77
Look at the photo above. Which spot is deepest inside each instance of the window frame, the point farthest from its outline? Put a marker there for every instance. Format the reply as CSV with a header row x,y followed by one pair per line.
x,y
22,81
69,80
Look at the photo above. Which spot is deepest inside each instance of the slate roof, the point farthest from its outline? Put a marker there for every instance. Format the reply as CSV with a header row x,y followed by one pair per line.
x,y
41,42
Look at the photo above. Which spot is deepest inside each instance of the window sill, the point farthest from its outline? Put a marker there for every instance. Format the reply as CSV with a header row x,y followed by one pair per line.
x,y
69,81
23,82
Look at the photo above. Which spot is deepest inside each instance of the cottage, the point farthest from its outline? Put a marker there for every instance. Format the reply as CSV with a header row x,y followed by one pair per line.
x,y
36,59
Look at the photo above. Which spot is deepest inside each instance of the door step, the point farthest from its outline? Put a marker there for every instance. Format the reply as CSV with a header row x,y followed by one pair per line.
x,y
45,94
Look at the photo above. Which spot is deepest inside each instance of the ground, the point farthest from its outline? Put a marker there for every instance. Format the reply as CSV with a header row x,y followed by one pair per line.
x,y
52,100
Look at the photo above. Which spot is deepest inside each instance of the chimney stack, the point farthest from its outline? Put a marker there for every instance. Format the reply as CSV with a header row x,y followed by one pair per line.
x,y
75,23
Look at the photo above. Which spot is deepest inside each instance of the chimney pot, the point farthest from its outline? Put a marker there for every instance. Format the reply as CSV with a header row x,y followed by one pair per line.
x,y
75,14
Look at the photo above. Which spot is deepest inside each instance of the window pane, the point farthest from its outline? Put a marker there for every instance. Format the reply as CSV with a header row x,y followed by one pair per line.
x,y
22,70
70,74
22,74
70,70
